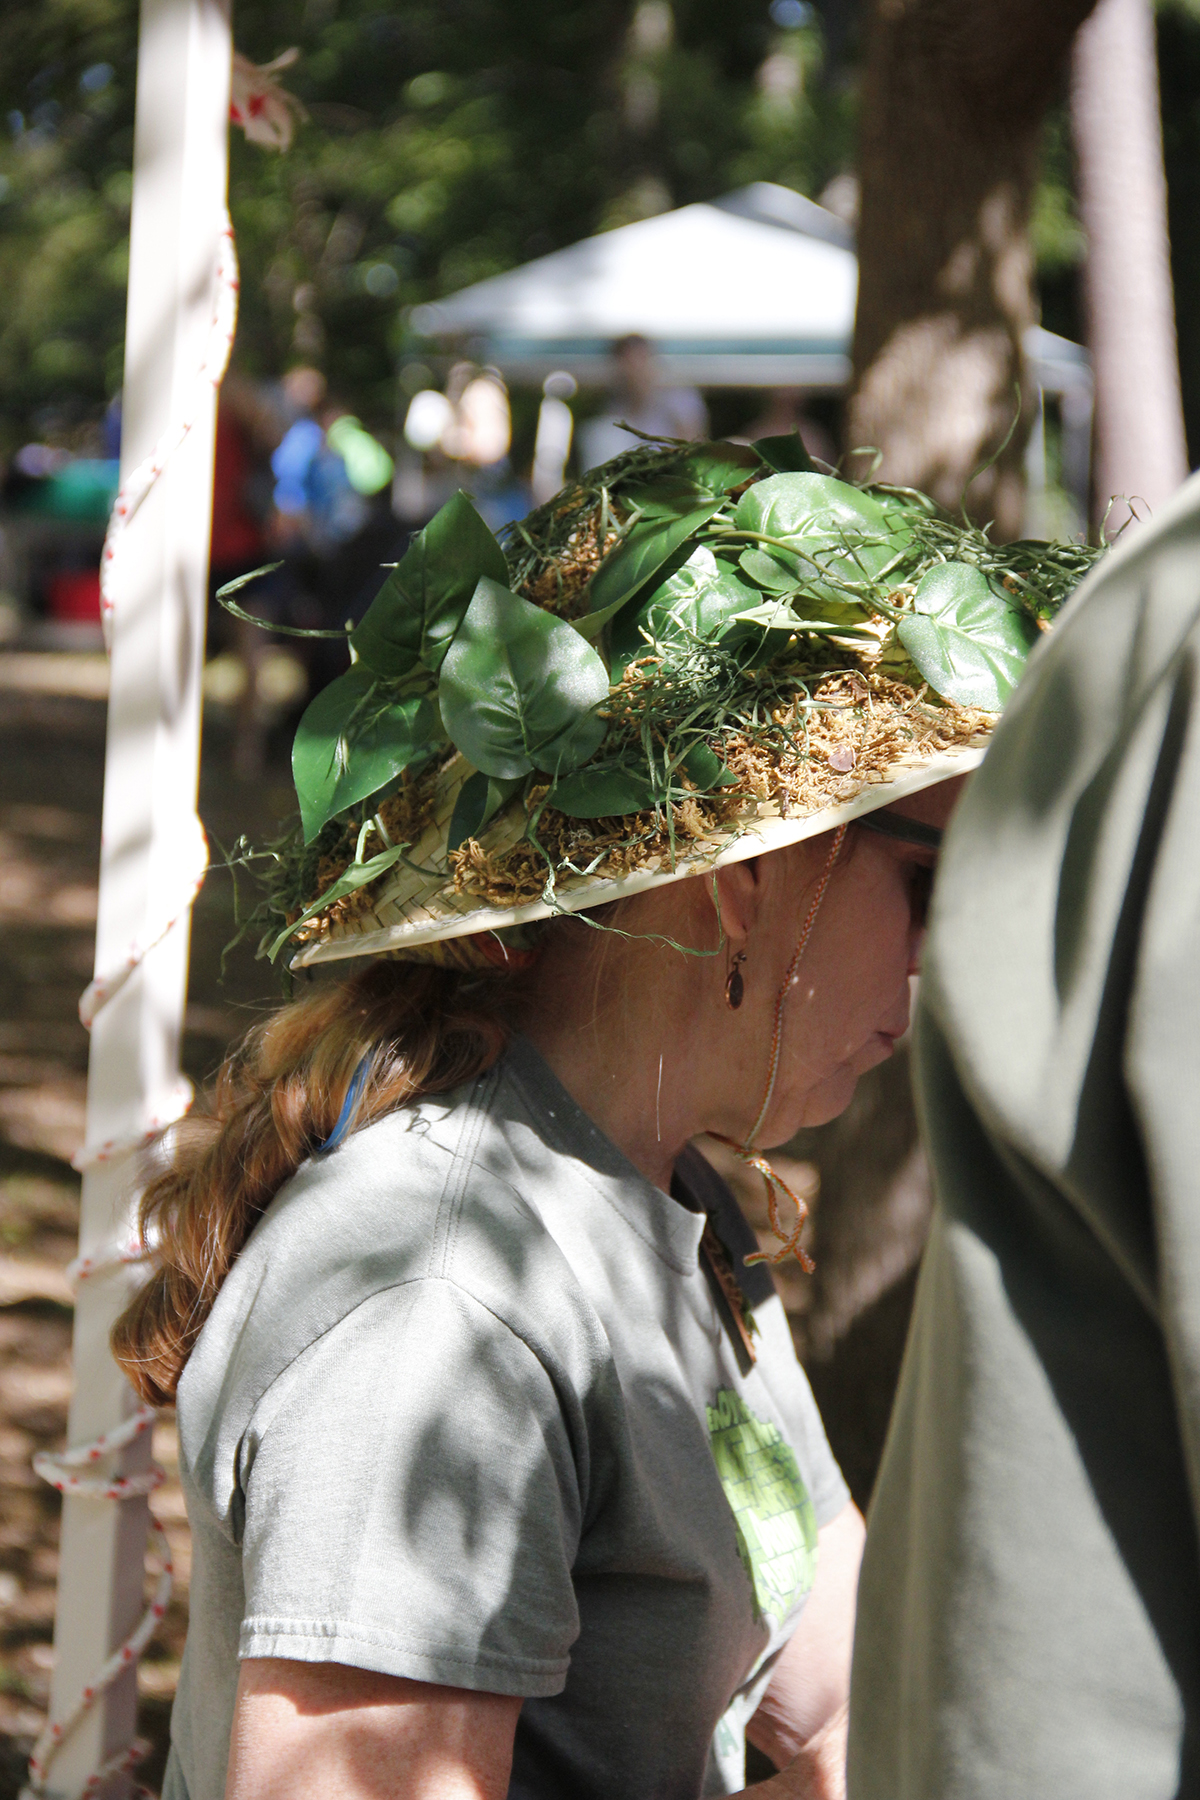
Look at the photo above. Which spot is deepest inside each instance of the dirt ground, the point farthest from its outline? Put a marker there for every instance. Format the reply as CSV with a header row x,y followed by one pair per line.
x,y
849,1321
51,773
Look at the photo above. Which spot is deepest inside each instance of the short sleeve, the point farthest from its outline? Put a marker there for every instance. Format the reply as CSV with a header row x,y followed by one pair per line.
x,y
411,1501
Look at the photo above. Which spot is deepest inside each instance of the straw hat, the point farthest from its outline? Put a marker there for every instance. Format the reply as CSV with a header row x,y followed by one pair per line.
x,y
697,654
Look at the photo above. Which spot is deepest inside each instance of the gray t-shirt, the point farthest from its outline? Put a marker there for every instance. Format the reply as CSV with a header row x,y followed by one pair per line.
x,y
470,1409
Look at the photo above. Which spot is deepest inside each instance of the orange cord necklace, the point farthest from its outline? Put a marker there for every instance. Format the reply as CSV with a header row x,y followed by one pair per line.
x,y
789,1240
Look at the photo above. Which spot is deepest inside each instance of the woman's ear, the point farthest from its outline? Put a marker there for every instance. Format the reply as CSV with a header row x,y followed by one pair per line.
x,y
738,896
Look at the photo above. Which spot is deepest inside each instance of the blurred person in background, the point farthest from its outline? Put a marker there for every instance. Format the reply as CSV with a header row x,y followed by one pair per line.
x,y
246,436
331,523
638,397
467,433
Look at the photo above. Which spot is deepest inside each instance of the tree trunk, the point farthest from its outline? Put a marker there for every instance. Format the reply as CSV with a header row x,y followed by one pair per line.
x,y
953,99
1140,447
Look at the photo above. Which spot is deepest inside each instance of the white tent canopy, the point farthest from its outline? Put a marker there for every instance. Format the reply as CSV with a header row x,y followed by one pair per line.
x,y
754,290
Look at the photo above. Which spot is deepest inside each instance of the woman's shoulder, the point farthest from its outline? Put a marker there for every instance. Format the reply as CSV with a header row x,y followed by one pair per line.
x,y
428,1194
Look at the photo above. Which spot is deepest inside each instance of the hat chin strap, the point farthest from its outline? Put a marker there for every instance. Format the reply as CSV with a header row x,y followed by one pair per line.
x,y
789,1240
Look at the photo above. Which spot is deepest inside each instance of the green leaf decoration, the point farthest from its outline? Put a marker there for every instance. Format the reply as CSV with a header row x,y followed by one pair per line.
x,y
639,555
846,536
610,790
352,740
720,466
695,600
778,572
786,453
231,606
519,688
414,616
603,792
667,497
705,768
480,798
356,876
968,643
775,616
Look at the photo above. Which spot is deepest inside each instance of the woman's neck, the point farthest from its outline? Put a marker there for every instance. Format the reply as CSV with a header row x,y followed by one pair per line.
x,y
638,1032
632,1092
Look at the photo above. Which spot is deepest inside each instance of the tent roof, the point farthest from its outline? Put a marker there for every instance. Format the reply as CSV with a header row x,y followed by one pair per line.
x,y
726,299
755,289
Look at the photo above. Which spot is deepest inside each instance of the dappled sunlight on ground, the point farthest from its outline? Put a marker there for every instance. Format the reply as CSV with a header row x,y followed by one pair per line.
x,y
51,766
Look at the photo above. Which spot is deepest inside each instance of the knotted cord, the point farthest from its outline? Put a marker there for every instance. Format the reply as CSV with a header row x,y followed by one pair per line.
x,y
776,1185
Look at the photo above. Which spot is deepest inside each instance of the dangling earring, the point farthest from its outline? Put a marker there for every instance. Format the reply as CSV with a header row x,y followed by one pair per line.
x,y
735,987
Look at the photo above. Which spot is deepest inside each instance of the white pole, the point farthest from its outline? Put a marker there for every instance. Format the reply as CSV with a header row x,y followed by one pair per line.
x,y
151,771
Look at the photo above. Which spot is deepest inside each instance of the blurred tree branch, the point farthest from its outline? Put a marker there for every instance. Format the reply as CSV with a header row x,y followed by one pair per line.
x,y
954,94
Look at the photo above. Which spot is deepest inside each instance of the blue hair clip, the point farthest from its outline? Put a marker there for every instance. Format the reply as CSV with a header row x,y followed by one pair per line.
x,y
344,1118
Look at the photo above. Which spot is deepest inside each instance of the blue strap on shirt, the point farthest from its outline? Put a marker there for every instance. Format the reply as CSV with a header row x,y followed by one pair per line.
x,y
344,1118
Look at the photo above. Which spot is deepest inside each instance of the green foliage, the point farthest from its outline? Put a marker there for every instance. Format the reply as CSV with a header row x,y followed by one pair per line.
x,y
700,646
822,534
448,140
519,688
642,552
696,600
355,738
969,643
786,454
420,606
67,76
480,798
358,875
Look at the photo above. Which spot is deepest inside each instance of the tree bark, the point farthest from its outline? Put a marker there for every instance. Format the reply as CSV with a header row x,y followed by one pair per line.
x,y
1140,449
953,99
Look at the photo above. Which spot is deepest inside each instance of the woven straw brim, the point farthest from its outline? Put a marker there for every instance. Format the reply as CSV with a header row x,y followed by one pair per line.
x,y
415,904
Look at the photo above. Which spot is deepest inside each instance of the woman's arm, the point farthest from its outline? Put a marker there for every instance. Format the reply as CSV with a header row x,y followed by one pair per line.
x,y
323,1731
801,1723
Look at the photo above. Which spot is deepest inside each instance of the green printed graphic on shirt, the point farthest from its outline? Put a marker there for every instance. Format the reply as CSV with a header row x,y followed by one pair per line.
x,y
772,1512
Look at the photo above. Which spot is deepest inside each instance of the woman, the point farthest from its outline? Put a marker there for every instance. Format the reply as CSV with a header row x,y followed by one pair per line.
x,y
503,1478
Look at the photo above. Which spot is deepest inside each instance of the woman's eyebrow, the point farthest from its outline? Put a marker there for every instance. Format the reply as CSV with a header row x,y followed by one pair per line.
x,y
907,831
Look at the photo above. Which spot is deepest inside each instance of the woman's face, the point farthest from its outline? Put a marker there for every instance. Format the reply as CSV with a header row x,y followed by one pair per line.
x,y
849,1001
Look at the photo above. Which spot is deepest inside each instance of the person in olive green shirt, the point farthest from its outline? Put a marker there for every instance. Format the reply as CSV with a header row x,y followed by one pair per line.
x,y
1029,1614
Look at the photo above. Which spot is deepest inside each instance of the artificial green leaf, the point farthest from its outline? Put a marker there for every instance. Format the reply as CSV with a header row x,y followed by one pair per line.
x,y
968,643
358,875
603,791
519,688
640,554
667,497
416,612
718,467
778,571
694,600
777,615
610,790
786,453
480,798
847,536
705,768
352,741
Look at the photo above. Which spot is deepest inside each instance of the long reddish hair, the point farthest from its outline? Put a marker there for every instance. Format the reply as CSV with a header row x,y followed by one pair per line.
x,y
422,1030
